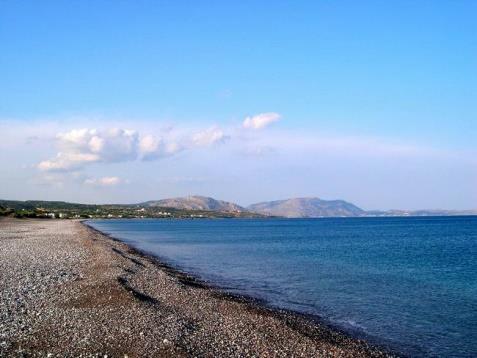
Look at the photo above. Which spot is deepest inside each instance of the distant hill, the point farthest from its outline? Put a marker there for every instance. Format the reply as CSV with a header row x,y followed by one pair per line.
x,y
201,206
429,212
196,203
33,204
306,208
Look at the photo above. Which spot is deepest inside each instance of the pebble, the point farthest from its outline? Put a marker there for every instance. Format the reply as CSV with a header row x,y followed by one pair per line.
x,y
68,290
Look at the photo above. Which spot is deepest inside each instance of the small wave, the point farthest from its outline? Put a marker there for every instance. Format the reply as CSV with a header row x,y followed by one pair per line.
x,y
349,323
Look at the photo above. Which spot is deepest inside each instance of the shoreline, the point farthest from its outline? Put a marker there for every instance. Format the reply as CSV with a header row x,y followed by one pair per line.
x,y
190,279
143,306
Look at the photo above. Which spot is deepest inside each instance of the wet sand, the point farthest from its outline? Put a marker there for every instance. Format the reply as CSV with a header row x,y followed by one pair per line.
x,y
68,290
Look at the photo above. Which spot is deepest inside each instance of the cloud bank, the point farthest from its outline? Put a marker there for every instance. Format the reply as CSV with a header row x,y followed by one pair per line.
x,y
81,147
57,160
78,148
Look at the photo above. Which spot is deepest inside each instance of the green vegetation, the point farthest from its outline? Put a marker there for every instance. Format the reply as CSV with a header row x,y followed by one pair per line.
x,y
4,211
64,210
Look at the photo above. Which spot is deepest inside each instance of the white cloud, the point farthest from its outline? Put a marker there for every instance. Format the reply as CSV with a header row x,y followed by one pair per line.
x,y
80,147
67,161
104,181
173,148
261,120
150,144
151,148
210,136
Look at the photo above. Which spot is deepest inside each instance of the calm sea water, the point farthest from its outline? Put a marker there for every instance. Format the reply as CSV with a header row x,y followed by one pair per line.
x,y
408,283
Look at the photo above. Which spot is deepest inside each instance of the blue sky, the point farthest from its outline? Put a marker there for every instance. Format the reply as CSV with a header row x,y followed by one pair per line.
x,y
344,77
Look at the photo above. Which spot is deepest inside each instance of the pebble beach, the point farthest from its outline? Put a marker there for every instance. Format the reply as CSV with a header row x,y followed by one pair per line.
x,y
68,290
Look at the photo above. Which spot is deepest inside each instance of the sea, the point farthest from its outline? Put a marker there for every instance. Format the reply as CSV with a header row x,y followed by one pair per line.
x,y
405,283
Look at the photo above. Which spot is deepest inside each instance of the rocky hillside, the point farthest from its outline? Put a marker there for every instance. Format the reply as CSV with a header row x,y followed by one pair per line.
x,y
306,208
196,203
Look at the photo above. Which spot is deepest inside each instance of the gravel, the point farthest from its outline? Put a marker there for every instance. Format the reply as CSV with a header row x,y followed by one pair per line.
x,y
68,290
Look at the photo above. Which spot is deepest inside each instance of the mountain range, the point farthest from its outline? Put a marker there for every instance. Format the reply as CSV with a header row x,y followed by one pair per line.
x,y
203,206
290,208
309,207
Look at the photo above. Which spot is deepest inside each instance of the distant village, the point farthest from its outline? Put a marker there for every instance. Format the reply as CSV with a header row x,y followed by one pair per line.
x,y
79,211
139,213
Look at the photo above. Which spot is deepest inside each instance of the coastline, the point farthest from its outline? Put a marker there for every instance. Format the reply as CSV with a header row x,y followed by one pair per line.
x,y
168,312
304,322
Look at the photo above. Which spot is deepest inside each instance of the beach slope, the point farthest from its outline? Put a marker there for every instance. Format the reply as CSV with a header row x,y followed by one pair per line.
x,y
68,290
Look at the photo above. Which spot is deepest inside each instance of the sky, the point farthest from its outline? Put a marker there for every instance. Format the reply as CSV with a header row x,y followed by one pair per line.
x,y
373,102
